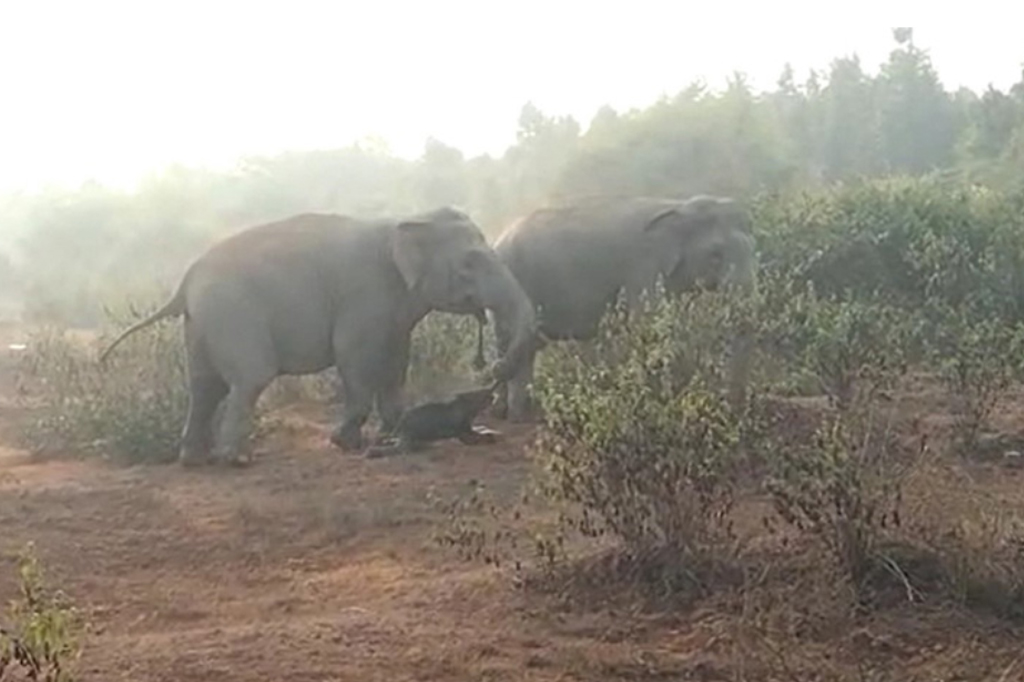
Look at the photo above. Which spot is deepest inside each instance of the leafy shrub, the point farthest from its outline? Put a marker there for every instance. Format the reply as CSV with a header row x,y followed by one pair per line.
x,y
978,358
847,345
845,488
906,240
133,406
641,440
640,450
841,482
980,554
41,635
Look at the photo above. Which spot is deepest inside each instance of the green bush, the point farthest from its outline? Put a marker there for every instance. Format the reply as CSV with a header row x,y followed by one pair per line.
x,y
844,488
905,240
42,630
975,540
978,358
640,439
849,346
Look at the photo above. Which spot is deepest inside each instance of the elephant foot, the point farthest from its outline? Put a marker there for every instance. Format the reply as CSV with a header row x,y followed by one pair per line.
x,y
347,439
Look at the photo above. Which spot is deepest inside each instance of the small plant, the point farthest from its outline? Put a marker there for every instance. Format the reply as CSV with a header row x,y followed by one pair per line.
x,y
981,556
978,360
844,488
42,630
473,527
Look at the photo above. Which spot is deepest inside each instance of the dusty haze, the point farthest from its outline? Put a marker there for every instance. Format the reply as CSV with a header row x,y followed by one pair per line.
x,y
140,134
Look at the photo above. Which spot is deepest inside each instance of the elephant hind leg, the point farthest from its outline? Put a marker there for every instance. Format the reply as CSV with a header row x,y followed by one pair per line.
x,y
239,411
206,393
248,365
389,394
207,389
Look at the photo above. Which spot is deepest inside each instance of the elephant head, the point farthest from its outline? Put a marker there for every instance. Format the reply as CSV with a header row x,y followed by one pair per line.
x,y
704,241
708,241
447,265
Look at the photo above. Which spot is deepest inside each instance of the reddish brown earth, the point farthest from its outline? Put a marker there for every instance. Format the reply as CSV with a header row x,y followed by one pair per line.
x,y
316,565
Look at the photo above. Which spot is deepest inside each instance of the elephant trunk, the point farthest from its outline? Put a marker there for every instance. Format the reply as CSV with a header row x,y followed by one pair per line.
x,y
515,323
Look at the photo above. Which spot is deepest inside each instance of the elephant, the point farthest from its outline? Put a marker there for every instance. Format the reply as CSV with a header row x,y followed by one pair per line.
x,y
303,293
574,260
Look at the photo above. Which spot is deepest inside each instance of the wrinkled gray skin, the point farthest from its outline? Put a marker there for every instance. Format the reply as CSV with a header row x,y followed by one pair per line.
x,y
299,295
574,260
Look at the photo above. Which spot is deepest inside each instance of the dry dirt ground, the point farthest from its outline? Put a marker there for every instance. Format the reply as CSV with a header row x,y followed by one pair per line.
x,y
315,565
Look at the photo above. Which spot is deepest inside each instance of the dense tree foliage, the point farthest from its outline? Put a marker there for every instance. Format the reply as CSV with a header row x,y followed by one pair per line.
x,y
74,250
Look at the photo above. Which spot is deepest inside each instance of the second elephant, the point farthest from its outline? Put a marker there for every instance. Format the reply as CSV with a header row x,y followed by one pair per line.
x,y
574,260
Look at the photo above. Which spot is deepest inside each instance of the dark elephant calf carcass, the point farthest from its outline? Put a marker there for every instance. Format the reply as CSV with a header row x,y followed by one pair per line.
x,y
441,420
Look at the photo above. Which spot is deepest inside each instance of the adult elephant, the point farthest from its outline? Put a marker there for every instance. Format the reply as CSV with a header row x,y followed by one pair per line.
x,y
301,294
574,260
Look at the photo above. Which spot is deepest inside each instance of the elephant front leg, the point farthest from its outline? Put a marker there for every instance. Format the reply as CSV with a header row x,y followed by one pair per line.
x,y
499,408
348,435
390,403
520,404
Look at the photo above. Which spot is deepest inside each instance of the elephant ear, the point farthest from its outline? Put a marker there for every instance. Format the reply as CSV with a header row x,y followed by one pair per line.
x,y
695,214
409,250
659,218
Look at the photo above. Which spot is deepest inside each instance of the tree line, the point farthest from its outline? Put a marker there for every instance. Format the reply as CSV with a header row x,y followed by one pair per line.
x,y
74,250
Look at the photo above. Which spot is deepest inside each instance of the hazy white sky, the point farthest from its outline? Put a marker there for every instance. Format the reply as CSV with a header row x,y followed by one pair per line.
x,y
110,89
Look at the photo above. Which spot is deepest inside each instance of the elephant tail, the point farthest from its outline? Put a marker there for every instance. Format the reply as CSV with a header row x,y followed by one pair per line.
x,y
173,308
